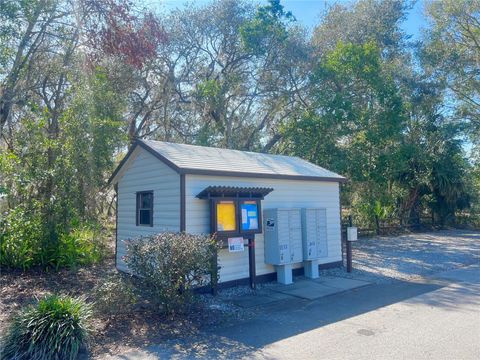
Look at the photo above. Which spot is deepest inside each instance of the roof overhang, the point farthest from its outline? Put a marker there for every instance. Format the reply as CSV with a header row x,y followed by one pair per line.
x,y
234,191
179,170
139,143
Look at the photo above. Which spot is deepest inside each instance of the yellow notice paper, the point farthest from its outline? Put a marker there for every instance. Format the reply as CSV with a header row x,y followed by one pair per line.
x,y
226,216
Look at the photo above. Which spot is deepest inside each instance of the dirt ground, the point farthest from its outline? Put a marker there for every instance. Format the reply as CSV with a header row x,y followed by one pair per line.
x,y
111,334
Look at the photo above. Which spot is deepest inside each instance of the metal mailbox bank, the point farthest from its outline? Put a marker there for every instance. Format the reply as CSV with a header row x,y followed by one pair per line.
x,y
315,239
283,241
273,214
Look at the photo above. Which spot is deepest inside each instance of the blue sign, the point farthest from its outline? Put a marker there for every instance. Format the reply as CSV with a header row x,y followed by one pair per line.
x,y
249,215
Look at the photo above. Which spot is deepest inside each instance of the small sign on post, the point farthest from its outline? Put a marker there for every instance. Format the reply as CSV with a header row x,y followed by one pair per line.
x,y
235,244
352,233
351,236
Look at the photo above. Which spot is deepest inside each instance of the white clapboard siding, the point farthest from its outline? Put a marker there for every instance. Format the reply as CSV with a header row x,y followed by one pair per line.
x,y
144,172
286,194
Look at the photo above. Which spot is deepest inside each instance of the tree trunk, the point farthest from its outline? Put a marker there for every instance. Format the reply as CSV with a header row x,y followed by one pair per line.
x,y
132,130
7,92
5,107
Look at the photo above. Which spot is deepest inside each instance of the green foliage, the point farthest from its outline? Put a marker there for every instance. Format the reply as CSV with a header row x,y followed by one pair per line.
x,y
449,182
25,242
355,100
346,22
267,28
55,328
209,91
117,294
54,182
451,54
368,207
355,123
170,265
471,216
21,236
392,142
84,245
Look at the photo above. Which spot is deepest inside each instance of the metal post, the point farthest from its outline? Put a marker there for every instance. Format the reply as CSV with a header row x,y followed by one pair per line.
x,y
349,248
214,274
251,261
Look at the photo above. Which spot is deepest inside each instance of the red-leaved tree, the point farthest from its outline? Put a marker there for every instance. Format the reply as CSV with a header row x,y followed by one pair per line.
x,y
118,29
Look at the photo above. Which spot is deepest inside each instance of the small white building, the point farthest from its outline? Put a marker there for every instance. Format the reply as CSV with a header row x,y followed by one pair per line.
x,y
201,190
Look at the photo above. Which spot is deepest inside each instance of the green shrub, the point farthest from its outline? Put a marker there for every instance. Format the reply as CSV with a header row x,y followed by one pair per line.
x,y
83,246
170,265
56,328
25,242
21,236
115,295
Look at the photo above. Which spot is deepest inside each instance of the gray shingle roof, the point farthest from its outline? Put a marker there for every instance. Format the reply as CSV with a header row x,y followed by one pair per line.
x,y
215,161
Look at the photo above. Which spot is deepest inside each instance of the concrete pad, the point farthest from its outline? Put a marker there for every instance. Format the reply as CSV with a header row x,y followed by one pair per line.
x,y
341,283
308,290
280,295
316,288
299,283
259,299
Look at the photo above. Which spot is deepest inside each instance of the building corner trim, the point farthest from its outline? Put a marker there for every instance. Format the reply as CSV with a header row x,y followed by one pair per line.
x,y
182,204
116,222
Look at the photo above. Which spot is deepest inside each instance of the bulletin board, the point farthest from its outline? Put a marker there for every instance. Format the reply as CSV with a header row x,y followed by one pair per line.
x,y
250,219
234,217
226,217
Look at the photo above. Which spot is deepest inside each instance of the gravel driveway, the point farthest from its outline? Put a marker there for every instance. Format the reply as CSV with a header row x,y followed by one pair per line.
x,y
406,257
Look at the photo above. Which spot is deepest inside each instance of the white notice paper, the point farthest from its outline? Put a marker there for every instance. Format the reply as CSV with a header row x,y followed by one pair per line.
x,y
235,244
244,216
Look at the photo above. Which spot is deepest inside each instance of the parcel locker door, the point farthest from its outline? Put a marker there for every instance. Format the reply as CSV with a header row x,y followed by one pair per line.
x,y
311,233
322,244
295,224
296,254
283,236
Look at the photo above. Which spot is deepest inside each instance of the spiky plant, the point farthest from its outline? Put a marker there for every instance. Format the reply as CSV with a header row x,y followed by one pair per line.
x,y
55,328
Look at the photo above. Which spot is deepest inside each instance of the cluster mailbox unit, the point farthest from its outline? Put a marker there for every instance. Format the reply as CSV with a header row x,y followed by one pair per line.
x,y
295,236
273,214
283,241
315,242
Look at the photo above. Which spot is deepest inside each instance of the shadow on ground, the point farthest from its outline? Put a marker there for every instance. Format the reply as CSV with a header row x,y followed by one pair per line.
x,y
282,320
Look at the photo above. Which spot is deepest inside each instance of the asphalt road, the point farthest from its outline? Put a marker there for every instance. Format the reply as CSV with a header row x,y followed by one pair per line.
x,y
435,318
440,324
